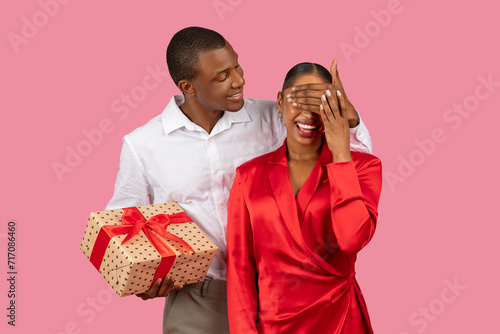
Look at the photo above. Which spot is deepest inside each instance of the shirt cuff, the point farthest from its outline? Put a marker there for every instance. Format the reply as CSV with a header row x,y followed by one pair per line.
x,y
354,129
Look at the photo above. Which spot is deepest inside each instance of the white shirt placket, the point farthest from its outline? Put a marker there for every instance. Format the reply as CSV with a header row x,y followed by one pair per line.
x,y
217,183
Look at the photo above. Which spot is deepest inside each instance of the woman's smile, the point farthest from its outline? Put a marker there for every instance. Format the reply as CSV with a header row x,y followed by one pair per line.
x,y
307,130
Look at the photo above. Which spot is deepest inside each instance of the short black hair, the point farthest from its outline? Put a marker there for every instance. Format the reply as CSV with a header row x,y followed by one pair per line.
x,y
184,49
305,68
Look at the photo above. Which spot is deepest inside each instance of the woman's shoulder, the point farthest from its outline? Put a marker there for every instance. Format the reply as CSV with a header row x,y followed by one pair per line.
x,y
256,164
262,162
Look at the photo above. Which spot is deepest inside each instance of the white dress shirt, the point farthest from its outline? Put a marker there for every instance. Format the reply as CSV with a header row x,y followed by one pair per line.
x,y
171,159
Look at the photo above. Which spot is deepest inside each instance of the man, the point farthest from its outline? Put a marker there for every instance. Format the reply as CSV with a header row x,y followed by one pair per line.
x,y
189,154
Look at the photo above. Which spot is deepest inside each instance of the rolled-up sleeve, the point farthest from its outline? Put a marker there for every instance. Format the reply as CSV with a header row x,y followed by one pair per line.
x,y
360,138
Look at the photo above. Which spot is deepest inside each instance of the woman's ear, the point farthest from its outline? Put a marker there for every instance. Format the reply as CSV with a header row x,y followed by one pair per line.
x,y
186,87
279,101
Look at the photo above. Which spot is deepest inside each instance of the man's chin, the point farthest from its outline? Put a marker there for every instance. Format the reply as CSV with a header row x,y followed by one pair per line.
x,y
235,106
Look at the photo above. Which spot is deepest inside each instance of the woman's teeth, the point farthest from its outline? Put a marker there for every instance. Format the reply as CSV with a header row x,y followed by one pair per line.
x,y
306,127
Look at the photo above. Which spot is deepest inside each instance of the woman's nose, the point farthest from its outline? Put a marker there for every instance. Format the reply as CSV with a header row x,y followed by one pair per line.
x,y
308,114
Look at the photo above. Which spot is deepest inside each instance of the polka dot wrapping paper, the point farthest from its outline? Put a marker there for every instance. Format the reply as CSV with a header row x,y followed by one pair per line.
x,y
130,268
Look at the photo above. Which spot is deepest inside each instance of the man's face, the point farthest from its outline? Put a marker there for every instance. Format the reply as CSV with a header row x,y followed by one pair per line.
x,y
219,83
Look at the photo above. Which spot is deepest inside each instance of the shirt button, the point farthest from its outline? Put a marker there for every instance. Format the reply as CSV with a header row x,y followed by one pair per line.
x,y
215,171
209,140
220,203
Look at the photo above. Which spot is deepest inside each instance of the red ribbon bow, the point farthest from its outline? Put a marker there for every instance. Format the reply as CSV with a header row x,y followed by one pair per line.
x,y
133,221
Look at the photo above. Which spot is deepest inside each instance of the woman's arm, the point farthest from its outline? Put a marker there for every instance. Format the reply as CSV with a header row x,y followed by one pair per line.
x,y
355,189
354,200
241,268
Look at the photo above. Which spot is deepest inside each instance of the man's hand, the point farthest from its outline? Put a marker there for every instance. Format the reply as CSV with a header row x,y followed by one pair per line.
x,y
308,97
160,289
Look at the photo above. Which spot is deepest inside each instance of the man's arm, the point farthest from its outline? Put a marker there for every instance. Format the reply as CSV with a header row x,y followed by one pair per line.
x,y
360,138
132,189
131,186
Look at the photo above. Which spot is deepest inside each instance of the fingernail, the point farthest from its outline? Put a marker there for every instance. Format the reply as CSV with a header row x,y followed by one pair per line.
x,y
323,97
289,100
328,92
338,93
294,104
321,106
288,95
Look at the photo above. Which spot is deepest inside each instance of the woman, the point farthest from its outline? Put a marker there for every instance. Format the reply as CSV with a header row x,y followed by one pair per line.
x,y
297,219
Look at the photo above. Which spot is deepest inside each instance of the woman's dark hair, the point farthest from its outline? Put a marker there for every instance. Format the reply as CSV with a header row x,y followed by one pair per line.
x,y
305,68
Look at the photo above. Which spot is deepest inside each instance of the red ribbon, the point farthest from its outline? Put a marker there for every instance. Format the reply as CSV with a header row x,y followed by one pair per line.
x,y
134,221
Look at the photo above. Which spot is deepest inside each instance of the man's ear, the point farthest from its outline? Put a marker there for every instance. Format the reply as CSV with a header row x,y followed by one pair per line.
x,y
187,87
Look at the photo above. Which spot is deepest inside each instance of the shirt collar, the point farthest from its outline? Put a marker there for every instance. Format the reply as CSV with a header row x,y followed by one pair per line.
x,y
231,117
173,118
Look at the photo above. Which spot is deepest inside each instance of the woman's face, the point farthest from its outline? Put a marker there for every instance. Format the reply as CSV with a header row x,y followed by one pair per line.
x,y
303,127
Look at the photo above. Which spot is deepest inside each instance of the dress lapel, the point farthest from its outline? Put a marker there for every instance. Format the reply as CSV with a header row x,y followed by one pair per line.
x,y
317,177
313,181
281,187
279,181
308,189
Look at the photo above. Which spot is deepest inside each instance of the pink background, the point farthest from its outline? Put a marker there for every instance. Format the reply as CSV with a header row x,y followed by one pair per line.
x,y
438,221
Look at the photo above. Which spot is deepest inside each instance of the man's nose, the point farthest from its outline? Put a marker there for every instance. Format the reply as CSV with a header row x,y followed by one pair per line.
x,y
238,80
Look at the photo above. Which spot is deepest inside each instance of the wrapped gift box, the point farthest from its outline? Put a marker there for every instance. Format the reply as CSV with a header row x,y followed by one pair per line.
x,y
130,266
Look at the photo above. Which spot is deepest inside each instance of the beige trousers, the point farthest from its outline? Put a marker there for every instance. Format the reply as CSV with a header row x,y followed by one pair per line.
x,y
199,308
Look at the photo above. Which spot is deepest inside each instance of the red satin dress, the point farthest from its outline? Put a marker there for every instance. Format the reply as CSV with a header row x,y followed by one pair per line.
x,y
290,261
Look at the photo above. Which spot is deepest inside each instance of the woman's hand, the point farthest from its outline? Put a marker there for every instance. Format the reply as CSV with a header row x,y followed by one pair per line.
x,y
333,111
308,97
160,289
